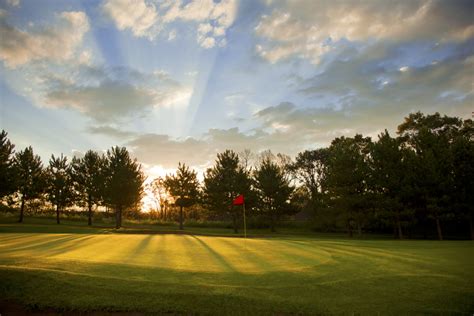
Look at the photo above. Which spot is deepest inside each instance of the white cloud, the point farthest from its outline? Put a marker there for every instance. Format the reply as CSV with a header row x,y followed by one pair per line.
x,y
146,20
138,16
171,35
55,42
13,3
219,31
208,42
204,28
307,28
85,57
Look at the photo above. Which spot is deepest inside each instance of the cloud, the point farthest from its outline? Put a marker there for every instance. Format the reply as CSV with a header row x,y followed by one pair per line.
x,y
145,19
13,3
308,29
155,149
208,42
386,79
138,16
55,42
171,35
371,92
108,94
110,131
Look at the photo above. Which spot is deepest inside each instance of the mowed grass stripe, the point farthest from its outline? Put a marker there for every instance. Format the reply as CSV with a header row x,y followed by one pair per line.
x,y
200,274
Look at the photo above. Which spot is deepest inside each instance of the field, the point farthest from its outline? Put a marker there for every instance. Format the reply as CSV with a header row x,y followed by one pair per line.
x,y
81,269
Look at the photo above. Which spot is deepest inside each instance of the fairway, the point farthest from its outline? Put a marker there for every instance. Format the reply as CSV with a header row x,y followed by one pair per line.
x,y
187,273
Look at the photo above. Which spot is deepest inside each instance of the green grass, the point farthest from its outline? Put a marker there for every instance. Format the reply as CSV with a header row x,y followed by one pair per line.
x,y
95,269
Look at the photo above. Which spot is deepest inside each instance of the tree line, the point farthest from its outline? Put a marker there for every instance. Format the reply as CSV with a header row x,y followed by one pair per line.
x,y
113,179
422,176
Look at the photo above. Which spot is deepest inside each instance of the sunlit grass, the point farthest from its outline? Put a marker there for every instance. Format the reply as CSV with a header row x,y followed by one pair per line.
x,y
204,274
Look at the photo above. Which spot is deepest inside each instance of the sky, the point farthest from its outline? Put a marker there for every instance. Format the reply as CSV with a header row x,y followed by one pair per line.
x,y
180,81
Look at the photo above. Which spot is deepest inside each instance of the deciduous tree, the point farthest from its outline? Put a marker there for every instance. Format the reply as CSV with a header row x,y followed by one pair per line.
x,y
347,179
309,169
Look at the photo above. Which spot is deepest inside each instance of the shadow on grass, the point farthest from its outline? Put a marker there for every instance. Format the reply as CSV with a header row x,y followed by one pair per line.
x,y
140,248
111,287
53,247
219,258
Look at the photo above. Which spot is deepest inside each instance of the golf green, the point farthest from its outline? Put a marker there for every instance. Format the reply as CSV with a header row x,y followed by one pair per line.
x,y
214,275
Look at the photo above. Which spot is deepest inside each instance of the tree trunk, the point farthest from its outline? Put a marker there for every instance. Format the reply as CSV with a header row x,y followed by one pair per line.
x,y
272,223
57,213
400,232
181,218
359,229
90,211
22,209
118,218
234,223
471,227
399,226
349,227
438,228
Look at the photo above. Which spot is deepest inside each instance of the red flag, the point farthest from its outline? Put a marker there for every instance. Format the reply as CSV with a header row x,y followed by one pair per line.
x,y
239,200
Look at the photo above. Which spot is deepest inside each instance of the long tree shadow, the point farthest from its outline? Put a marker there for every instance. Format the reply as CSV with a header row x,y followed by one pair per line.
x,y
139,249
39,245
68,245
262,263
219,258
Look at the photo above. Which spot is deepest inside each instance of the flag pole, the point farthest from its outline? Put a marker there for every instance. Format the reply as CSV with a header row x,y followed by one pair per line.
x,y
245,224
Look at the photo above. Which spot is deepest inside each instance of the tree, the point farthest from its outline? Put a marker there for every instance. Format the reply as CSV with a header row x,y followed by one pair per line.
x,y
274,190
7,185
123,181
347,179
463,172
309,169
60,187
158,189
183,187
88,176
29,176
222,184
392,179
431,138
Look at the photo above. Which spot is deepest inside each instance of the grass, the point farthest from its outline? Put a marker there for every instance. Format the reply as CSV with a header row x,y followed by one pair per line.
x,y
94,269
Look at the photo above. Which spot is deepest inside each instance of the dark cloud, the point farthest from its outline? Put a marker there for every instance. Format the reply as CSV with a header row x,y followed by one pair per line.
x,y
110,131
108,94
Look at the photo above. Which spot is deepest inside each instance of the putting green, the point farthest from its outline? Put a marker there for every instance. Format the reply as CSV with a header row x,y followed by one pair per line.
x,y
168,251
222,275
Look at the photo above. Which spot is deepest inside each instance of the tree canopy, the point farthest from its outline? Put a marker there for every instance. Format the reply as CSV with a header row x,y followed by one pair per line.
x,y
184,188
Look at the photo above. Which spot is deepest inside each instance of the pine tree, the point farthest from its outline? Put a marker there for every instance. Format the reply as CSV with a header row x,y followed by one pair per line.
x,y
123,181
184,188
29,177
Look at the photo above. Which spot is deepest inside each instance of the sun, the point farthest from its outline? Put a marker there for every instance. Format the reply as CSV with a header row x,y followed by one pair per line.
x,y
149,201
